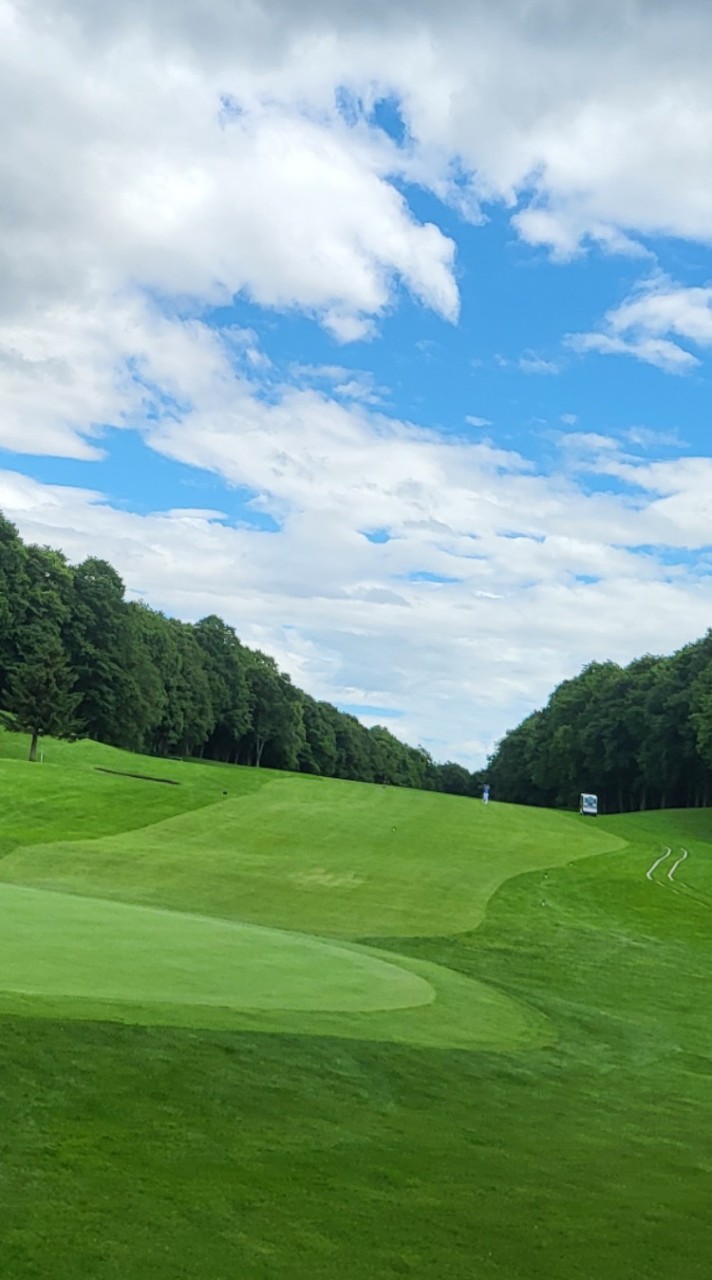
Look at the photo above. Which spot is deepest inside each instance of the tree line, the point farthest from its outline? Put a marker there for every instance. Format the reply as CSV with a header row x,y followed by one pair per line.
x,y
639,736
79,660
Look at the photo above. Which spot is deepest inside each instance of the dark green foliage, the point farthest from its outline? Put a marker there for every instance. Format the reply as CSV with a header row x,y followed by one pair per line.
x,y
640,736
455,779
40,693
73,650
104,651
276,716
318,754
226,662
13,588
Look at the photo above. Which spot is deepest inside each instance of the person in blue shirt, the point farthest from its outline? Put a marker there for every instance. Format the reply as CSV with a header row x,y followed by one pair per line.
x,y
485,793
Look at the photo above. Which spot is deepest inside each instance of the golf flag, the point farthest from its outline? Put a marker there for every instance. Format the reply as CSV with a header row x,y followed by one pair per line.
x,y
589,804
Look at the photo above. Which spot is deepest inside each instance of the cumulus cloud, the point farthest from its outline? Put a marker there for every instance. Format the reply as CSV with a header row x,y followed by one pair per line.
x,y
647,323
592,123
165,160
124,164
207,150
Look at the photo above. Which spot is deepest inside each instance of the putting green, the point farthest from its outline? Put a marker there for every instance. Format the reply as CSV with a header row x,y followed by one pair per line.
x,y
58,945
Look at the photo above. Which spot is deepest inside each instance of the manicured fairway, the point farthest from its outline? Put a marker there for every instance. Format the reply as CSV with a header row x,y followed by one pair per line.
x,y
311,1029
326,857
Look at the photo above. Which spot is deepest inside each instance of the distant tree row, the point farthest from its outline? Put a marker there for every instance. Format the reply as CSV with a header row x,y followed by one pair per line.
x,y
77,659
639,736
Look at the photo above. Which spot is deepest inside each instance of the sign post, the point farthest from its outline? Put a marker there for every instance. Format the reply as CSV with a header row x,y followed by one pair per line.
x,y
588,805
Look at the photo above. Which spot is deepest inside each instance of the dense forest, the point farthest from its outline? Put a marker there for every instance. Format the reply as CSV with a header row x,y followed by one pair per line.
x,y
78,659
639,736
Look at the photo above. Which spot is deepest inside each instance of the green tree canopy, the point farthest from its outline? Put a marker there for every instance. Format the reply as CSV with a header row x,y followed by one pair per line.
x,y
40,693
72,649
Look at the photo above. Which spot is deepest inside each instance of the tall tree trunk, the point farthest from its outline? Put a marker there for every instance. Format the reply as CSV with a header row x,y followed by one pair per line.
x,y
33,744
259,748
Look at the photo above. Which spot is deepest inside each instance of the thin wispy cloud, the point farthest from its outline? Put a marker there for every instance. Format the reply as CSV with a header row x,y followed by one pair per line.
x,y
652,324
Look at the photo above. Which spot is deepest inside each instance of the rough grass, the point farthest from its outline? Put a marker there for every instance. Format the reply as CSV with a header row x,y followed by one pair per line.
x,y
579,1150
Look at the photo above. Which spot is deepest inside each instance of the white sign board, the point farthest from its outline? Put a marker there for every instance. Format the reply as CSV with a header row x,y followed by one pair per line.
x,y
589,804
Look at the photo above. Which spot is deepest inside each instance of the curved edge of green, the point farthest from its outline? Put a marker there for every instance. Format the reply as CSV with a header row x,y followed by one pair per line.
x,y
465,1014
68,947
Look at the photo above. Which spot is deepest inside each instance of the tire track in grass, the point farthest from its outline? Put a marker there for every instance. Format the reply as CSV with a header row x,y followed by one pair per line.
x,y
649,872
675,865
678,886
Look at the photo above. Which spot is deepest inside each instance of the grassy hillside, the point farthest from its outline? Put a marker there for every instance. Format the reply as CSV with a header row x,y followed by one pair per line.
x,y
311,1028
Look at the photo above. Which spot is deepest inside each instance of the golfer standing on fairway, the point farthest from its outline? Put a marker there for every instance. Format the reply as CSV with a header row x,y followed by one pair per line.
x,y
485,793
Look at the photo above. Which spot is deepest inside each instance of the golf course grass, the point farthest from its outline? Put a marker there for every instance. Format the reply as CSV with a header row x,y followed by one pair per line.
x,y
260,1025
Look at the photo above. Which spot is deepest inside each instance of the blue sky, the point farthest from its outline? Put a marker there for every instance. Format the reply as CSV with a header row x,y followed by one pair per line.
x,y
400,364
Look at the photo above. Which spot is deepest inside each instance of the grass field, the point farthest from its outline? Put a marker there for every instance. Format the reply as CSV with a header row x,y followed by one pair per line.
x,y
257,1025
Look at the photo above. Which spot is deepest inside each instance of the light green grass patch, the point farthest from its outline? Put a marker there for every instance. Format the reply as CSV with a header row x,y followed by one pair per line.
x,y
325,857
70,956
57,945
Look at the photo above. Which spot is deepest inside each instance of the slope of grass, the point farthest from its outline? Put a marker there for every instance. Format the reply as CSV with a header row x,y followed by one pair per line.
x,y
66,798
341,1143
331,857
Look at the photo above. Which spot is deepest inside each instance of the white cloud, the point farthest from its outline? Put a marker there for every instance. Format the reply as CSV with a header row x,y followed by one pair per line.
x,y
661,308
650,438
201,151
348,384
159,160
587,442
201,155
533,363
666,355
120,167
596,119
643,324
473,421
353,620
109,360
